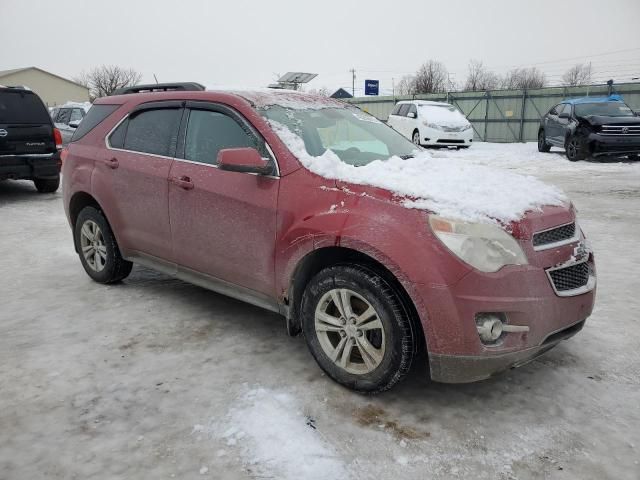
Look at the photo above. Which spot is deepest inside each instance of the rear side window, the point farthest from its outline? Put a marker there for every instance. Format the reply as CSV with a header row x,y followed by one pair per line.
x,y
22,107
209,132
403,110
92,119
153,131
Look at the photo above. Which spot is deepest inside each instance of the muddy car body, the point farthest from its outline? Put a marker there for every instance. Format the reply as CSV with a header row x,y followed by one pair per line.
x,y
368,281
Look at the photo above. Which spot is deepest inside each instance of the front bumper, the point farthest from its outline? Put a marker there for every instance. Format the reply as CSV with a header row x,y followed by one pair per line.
x,y
613,145
433,137
472,368
29,167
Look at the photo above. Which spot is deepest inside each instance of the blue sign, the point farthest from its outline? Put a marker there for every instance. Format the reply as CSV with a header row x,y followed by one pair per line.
x,y
371,87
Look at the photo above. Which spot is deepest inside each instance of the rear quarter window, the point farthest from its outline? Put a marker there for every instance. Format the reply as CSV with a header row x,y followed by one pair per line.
x,y
93,118
22,107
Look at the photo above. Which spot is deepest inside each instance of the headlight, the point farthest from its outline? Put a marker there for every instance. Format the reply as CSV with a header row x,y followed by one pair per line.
x,y
468,127
485,247
432,125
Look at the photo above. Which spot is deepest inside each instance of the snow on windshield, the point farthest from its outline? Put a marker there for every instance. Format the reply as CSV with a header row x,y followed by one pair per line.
x,y
446,116
449,187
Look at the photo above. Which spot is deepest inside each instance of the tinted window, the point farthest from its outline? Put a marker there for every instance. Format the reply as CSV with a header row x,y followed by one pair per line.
x,y
153,131
94,116
22,107
404,109
116,140
209,132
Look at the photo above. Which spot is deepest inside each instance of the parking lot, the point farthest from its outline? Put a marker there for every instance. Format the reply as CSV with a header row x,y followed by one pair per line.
x,y
156,378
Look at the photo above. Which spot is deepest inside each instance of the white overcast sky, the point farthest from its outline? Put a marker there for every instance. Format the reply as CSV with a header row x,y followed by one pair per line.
x,y
246,43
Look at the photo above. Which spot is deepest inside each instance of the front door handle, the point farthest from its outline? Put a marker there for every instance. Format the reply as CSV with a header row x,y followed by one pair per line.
x,y
183,182
112,163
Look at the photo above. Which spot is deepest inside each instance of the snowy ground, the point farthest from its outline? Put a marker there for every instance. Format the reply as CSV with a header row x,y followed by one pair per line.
x,y
155,378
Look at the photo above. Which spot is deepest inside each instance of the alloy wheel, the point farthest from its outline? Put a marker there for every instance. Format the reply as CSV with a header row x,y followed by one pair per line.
x,y
572,148
416,138
92,245
350,331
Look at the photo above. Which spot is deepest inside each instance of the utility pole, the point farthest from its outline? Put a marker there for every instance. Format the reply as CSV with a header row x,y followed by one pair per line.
x,y
393,87
353,81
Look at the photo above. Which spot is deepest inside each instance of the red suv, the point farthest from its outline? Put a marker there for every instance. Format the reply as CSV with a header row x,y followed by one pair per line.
x,y
207,186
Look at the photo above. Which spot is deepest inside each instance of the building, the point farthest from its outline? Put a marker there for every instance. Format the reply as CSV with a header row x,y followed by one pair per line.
x,y
341,93
52,89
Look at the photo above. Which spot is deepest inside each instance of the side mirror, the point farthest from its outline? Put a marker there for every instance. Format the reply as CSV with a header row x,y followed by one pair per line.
x,y
74,124
411,115
246,160
564,115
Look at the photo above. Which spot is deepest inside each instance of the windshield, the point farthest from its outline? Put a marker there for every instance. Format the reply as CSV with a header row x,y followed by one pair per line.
x,y
357,138
604,109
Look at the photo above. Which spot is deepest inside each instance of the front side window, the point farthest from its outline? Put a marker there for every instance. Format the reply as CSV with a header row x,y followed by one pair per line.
x,y
64,116
413,109
152,131
555,110
208,132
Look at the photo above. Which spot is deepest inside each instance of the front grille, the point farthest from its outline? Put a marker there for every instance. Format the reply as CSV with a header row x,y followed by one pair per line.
x,y
454,129
444,140
620,130
570,278
554,235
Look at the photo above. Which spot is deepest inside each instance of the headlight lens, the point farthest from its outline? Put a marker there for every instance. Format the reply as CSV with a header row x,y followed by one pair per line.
x,y
485,247
469,127
432,125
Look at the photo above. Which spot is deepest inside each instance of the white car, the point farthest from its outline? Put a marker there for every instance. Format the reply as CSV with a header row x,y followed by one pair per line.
x,y
431,124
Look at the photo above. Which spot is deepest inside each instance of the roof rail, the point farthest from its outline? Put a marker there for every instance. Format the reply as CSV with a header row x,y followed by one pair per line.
x,y
161,87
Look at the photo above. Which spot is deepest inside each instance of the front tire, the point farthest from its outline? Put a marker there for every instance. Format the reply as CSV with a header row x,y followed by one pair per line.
x,y
543,146
416,137
47,185
575,149
357,328
98,249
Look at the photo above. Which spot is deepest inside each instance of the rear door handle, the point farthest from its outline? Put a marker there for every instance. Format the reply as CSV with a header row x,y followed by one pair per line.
x,y
183,182
112,163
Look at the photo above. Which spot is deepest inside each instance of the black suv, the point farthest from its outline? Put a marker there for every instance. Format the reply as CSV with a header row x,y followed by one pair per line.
x,y
591,126
29,143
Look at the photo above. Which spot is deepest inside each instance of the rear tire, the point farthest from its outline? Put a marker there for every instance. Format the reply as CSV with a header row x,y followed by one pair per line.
x,y
575,149
48,185
543,146
357,329
98,249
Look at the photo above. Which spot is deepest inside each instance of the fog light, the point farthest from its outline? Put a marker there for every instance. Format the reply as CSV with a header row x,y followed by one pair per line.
x,y
489,327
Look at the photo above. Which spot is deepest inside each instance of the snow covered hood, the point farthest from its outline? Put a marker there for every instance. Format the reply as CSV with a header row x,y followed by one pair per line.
x,y
449,187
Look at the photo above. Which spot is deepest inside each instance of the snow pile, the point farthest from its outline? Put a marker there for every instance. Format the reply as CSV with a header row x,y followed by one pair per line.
x,y
83,105
275,440
449,187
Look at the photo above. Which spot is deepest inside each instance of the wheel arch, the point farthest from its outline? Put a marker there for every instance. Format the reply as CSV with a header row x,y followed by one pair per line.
x,y
325,257
79,201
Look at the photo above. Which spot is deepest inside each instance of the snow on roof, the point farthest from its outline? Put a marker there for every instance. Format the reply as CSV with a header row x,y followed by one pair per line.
x,y
449,187
287,98
610,98
84,105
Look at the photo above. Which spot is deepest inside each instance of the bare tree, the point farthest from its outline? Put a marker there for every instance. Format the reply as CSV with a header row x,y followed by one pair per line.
x,y
579,74
523,78
322,91
431,77
406,85
479,78
102,81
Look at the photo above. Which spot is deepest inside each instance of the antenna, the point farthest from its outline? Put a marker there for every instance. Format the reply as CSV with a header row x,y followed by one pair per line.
x,y
156,78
